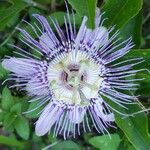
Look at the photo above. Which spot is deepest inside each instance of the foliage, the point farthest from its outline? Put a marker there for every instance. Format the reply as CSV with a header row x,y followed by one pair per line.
x,y
17,128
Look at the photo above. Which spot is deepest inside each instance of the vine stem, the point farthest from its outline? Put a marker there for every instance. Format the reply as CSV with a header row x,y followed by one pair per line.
x,y
146,18
51,145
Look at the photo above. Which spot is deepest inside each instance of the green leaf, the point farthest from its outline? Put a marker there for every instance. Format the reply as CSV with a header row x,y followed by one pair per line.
x,y
91,10
13,20
7,14
2,114
104,142
10,142
135,128
66,145
34,112
130,147
4,50
34,10
144,87
16,108
7,99
143,53
59,16
9,119
22,127
133,28
85,8
3,72
36,138
119,12
22,103
52,138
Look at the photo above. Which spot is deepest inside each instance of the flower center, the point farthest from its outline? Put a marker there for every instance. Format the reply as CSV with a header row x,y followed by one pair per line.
x,y
74,81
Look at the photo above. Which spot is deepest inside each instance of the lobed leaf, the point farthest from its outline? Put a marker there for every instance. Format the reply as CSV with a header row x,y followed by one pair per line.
x,y
22,127
16,108
3,72
7,99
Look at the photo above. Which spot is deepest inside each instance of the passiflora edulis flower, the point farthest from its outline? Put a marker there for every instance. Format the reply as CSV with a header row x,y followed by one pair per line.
x,y
77,68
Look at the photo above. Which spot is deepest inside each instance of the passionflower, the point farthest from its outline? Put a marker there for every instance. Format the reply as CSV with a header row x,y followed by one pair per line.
x,y
77,68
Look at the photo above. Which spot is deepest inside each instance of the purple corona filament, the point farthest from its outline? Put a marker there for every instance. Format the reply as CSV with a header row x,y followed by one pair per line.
x,y
77,68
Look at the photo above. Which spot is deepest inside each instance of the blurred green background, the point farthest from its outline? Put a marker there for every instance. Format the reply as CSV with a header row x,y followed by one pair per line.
x,y
132,18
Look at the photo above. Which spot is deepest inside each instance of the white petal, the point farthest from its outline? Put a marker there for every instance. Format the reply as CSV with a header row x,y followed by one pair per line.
x,y
102,36
97,17
98,107
20,66
77,115
47,119
36,87
110,117
98,37
87,35
46,42
80,33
